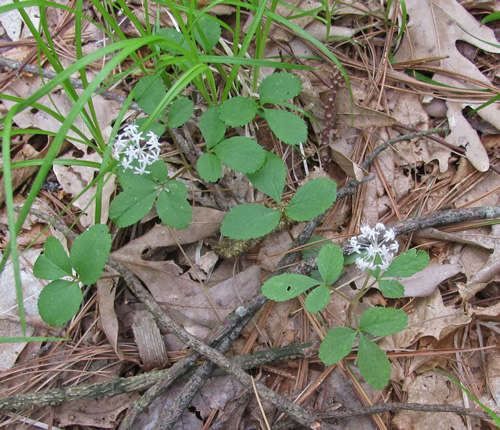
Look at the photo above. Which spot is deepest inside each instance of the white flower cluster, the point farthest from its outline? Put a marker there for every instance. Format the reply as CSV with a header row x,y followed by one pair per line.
x,y
129,146
377,242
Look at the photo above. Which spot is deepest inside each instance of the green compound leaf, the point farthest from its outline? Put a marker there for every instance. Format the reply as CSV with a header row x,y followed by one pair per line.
x,y
177,188
383,321
407,264
288,127
238,111
271,177
279,87
318,299
139,183
59,301
373,363
312,199
241,154
159,171
330,263
131,206
249,222
149,92
212,127
207,33
180,111
90,252
209,167
391,288
314,248
288,286
54,262
173,209
336,345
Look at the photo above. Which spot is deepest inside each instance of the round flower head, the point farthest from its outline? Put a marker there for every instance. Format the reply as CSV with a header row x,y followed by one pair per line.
x,y
127,149
378,246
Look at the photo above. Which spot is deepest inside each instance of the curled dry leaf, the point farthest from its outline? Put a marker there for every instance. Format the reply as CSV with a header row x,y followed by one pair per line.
x,y
106,290
205,222
431,318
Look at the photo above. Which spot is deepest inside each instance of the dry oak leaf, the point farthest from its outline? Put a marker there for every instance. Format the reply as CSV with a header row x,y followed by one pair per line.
x,y
433,29
431,318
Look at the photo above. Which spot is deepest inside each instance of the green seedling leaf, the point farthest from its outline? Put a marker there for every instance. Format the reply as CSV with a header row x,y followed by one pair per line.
x,y
90,252
180,111
249,222
330,263
313,250
241,154
54,262
59,301
271,177
149,92
391,288
212,127
279,87
238,111
336,345
318,299
312,199
407,264
207,33
383,321
209,167
158,170
287,286
131,206
373,363
173,208
288,127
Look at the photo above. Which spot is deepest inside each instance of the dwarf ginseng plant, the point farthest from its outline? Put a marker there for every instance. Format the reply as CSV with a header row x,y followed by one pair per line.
x,y
373,251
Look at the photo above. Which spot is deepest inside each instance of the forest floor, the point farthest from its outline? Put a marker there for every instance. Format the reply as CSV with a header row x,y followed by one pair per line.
x,y
399,105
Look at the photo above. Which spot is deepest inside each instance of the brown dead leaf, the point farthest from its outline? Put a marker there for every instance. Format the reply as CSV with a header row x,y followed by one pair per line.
x,y
431,318
493,375
424,283
206,221
106,290
340,150
21,174
462,134
101,413
433,30
353,115
430,388
106,110
74,179
9,319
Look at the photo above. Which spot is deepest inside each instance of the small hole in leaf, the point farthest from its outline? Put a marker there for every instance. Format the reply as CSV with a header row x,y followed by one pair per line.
x,y
289,288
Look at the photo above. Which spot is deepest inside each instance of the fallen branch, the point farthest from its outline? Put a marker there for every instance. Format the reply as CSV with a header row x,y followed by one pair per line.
x,y
141,382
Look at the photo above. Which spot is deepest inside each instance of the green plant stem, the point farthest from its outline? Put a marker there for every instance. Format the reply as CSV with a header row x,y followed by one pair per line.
x,y
354,303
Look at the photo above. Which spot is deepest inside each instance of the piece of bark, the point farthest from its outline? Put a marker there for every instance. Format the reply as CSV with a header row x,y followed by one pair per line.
x,y
149,341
